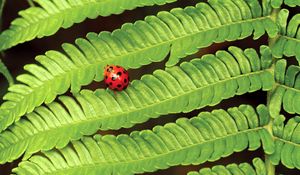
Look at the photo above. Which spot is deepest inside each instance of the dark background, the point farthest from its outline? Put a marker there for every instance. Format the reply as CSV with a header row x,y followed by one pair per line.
x,y
16,57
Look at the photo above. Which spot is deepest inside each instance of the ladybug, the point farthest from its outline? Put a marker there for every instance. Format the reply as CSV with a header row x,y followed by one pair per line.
x,y
116,77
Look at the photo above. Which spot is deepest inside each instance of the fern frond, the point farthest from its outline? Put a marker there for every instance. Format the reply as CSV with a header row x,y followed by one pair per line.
x,y
207,137
288,43
291,3
51,15
180,32
287,92
183,88
287,142
234,169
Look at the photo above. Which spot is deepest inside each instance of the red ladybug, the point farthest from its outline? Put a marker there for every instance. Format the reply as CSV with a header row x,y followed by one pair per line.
x,y
116,77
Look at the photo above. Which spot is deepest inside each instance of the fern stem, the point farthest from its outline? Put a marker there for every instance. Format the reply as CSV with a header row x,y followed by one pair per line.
x,y
6,73
269,166
30,2
3,68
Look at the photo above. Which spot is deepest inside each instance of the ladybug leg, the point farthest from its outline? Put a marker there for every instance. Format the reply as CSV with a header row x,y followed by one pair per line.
x,y
115,92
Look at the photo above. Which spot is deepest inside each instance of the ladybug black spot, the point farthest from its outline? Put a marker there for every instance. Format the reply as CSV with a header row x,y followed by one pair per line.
x,y
124,71
119,85
119,74
110,83
113,78
125,80
118,66
106,77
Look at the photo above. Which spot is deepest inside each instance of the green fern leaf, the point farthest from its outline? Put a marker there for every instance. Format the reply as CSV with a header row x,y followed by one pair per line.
x,y
234,169
180,32
207,137
164,92
287,92
291,3
288,43
287,143
51,15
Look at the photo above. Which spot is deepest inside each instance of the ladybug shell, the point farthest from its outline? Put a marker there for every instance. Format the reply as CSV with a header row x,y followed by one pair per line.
x,y
116,77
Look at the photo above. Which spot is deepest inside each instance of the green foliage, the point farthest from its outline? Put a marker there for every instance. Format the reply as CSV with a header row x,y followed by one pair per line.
x,y
173,32
234,169
55,135
170,91
287,92
288,43
291,3
207,137
51,15
287,142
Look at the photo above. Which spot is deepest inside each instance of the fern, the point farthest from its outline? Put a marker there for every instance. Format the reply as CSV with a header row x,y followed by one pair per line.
x,y
168,32
170,91
287,92
51,15
287,142
59,134
291,3
234,169
288,43
207,137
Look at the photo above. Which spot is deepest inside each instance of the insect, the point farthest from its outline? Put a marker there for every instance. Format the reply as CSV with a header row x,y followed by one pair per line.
x,y
116,77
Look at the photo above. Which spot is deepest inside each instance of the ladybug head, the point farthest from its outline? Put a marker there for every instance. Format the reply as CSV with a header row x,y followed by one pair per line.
x,y
108,68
